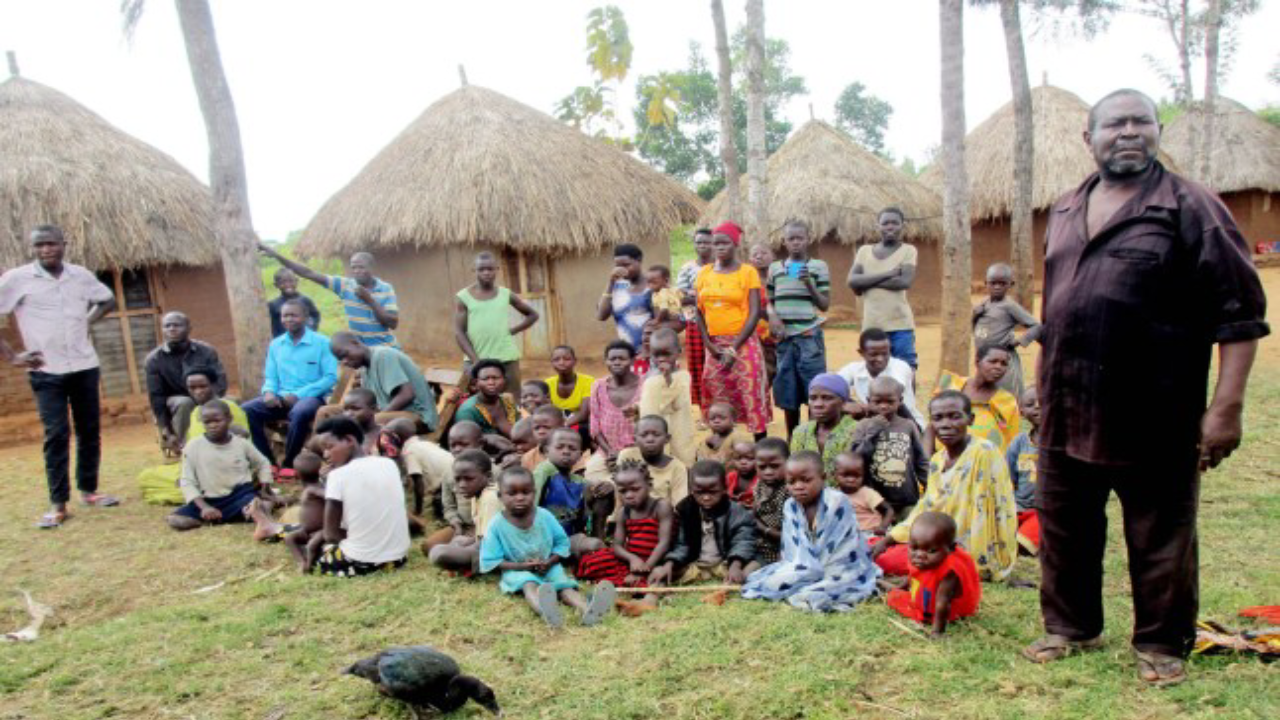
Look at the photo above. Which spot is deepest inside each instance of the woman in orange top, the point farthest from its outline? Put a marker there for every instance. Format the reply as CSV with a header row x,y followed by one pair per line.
x,y
728,297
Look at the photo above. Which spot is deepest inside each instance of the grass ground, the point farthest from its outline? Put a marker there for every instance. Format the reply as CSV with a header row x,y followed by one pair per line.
x,y
132,639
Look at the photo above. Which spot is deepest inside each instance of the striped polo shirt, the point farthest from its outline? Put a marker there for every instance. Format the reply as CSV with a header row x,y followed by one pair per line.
x,y
790,297
360,317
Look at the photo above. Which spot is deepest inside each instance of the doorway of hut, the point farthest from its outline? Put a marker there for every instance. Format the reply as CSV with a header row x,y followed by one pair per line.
x,y
532,277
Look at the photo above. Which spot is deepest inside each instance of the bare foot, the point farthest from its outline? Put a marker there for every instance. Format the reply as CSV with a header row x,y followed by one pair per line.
x,y
265,526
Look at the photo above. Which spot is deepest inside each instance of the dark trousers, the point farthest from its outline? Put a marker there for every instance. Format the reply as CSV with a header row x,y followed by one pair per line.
x,y
299,417
54,393
1158,503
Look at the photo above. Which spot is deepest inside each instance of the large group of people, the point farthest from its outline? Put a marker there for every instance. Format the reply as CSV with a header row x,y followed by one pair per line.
x,y
662,471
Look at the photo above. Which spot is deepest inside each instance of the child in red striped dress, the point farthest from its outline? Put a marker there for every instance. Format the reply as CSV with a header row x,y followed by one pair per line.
x,y
642,538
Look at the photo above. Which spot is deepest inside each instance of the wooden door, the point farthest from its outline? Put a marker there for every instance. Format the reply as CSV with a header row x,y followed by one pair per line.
x,y
124,336
531,277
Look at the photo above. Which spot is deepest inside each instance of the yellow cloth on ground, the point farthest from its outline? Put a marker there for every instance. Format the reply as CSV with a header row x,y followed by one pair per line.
x,y
159,484
978,494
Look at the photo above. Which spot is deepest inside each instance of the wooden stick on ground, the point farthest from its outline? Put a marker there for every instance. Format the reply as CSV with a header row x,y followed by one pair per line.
x,y
678,590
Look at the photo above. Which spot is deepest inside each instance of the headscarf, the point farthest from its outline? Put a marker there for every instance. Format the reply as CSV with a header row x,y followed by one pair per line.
x,y
731,230
832,383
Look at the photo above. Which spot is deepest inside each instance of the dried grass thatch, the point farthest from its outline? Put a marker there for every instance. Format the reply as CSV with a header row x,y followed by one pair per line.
x,y
478,166
1246,151
1062,160
823,178
121,202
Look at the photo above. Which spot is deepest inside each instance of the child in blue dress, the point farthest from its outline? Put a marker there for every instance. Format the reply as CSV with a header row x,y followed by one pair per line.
x,y
527,543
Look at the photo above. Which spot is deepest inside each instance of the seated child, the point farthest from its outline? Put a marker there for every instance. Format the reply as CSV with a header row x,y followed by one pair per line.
x,y
527,544
533,395
425,464
455,506
641,538
522,441
667,393
875,515
578,506
473,473
221,473
571,390
545,420
897,461
306,540
826,565
670,476
944,578
717,537
770,497
1022,456
361,405
666,299
724,433
742,479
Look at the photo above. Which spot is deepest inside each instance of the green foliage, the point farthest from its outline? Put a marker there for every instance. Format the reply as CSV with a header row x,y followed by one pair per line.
x,y
686,144
1168,111
332,316
908,166
592,108
681,246
864,116
608,43
1271,114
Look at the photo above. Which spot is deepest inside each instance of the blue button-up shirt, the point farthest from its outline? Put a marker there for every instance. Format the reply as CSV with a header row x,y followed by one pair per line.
x,y
306,368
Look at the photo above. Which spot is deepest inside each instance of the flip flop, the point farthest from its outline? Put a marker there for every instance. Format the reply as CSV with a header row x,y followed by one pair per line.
x,y
1056,647
51,520
100,500
549,606
600,605
1164,670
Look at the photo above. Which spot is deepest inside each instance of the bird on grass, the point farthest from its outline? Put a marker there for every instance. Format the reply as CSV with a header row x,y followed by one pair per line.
x,y
423,677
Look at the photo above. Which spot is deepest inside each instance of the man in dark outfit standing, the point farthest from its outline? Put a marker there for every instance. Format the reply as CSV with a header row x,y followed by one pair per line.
x,y
1144,272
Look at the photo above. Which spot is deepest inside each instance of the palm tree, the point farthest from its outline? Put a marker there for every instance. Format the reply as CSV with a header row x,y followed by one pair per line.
x,y
728,150
957,262
758,225
1023,158
233,226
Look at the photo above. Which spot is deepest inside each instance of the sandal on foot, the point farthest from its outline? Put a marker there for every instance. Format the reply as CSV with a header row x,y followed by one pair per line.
x,y
51,520
1056,647
100,500
549,606
1158,670
601,602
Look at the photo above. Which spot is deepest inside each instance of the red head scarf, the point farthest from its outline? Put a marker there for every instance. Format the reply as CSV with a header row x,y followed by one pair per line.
x,y
730,229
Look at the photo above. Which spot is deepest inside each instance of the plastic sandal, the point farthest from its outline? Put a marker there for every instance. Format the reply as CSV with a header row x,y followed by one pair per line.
x,y
51,520
100,500
549,606
601,602
1056,647
1158,670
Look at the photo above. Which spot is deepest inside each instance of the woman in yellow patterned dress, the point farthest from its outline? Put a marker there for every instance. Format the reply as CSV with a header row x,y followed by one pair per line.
x,y
995,411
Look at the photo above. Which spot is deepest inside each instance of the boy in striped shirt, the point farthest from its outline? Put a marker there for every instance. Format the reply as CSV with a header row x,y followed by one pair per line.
x,y
369,302
799,288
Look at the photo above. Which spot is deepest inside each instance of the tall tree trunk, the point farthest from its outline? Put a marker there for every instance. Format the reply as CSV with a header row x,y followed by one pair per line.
x,y
757,200
1183,40
728,150
1020,217
957,262
1212,30
233,226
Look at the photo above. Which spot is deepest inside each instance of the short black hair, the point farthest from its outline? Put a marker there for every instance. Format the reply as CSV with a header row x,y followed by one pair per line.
x,y
219,405
708,468
662,270
363,394
619,344
630,250
568,430
775,444
567,348
296,301
341,426
702,231
987,348
51,230
487,363
636,466
547,410
871,334
205,370
893,210
1122,92
811,457
954,395
541,385
797,222
512,471
654,418
476,457
281,272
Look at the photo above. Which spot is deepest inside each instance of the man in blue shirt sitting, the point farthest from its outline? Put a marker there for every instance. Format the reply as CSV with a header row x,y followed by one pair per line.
x,y
300,372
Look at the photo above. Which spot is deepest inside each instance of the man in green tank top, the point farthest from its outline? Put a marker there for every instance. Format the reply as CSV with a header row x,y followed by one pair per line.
x,y
481,321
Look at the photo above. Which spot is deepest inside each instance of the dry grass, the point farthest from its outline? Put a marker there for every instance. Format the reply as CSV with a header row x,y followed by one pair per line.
x,y
477,166
1062,161
1246,148
121,202
838,188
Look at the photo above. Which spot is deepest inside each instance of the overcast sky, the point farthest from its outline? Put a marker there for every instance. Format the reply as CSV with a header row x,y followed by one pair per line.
x,y
321,85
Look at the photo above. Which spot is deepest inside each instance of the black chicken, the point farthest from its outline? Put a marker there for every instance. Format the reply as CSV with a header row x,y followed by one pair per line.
x,y
422,677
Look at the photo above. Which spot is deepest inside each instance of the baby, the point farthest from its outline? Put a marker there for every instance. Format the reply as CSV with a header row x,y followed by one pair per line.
x,y
742,474
875,516
666,299
533,395
306,541
723,421
944,578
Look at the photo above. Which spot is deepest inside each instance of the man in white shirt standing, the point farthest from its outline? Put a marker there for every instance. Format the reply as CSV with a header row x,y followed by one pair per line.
x,y
366,528
874,347
55,303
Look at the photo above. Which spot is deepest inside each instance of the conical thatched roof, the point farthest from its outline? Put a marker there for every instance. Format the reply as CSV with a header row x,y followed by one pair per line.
x,y
1246,148
121,202
824,178
1062,160
478,166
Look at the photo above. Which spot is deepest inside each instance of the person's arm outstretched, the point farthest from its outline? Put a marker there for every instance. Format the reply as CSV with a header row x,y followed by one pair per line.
x,y
298,268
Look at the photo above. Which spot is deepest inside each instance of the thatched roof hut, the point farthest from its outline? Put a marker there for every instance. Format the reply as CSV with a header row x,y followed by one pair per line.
x,y
1244,168
125,203
835,186
130,212
478,170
